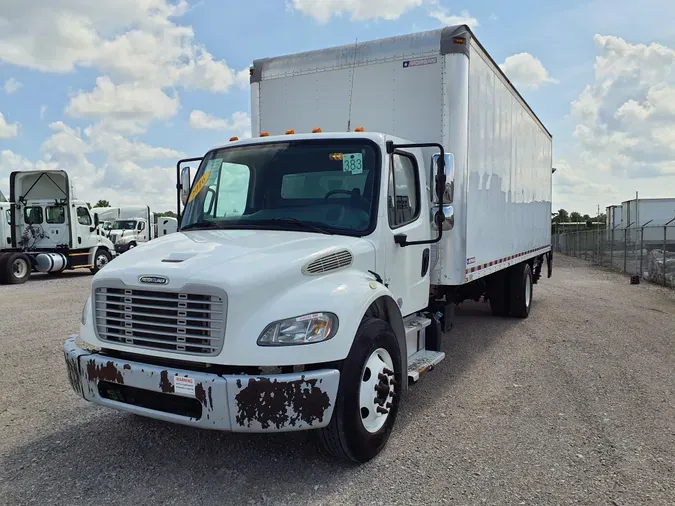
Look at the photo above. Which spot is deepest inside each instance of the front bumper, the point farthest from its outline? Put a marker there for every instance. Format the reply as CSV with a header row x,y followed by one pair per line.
x,y
237,403
122,247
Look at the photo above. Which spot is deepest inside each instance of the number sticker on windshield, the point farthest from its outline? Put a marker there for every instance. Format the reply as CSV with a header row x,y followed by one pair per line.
x,y
352,162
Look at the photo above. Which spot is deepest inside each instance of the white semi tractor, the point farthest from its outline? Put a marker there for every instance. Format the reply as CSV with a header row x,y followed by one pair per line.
x,y
45,229
317,264
129,226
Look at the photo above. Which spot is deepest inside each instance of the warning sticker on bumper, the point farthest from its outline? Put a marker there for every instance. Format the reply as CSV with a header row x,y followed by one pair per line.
x,y
184,385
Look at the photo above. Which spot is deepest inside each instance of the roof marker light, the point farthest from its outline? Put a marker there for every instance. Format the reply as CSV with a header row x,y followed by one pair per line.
x,y
234,139
359,129
290,132
264,134
316,131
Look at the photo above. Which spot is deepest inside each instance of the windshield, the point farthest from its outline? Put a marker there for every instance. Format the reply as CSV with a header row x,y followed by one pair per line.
x,y
124,225
320,186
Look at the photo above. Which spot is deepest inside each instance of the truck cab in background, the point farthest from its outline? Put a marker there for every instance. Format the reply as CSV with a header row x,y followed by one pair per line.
x,y
50,230
128,233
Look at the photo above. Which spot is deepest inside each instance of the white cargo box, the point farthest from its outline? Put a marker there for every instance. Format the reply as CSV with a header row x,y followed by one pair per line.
x,y
436,86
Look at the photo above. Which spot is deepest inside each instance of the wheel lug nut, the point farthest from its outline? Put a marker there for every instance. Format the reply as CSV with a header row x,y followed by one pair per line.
x,y
389,405
382,410
382,377
388,371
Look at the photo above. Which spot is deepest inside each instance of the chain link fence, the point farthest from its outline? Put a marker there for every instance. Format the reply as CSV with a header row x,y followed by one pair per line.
x,y
648,252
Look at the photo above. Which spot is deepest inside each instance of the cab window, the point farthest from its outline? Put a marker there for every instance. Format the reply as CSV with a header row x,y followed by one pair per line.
x,y
32,215
56,215
83,216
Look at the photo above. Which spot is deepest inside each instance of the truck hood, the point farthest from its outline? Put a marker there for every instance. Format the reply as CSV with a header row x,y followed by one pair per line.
x,y
232,259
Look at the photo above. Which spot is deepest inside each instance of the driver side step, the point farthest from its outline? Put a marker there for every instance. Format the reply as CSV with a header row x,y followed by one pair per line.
x,y
421,362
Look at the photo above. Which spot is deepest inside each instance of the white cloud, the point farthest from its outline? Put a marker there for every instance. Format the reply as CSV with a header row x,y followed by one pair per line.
x,y
526,71
43,111
123,102
358,10
12,86
8,130
119,149
625,118
240,123
130,40
447,19
570,181
9,162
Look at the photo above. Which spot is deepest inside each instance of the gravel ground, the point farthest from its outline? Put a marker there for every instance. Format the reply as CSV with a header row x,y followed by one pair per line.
x,y
571,406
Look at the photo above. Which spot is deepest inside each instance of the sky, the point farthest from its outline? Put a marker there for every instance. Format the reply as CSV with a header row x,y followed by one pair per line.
x,y
116,92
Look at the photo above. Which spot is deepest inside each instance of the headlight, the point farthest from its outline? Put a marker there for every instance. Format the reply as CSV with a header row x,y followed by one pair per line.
x,y
305,329
85,311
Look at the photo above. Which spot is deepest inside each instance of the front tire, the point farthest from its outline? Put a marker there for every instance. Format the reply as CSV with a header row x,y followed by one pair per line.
x,y
369,395
101,259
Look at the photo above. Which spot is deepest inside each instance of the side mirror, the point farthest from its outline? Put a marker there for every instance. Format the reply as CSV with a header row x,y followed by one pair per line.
x,y
185,185
96,222
449,190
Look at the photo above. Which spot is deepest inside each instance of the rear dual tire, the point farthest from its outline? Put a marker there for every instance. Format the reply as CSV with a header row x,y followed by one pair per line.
x,y
368,400
15,268
510,291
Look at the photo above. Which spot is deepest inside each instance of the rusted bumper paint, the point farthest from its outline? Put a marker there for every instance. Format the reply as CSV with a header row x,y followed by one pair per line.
x,y
237,403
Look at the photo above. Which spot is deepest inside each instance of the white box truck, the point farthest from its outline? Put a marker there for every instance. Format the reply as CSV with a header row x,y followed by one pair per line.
x,y
317,263
49,229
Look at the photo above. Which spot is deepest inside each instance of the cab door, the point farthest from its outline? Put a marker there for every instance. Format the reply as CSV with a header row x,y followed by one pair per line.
x,y
408,215
84,236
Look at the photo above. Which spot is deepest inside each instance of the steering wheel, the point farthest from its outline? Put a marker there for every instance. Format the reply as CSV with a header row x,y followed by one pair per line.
x,y
363,203
334,192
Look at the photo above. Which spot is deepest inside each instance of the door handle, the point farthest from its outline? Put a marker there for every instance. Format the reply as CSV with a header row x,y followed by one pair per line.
x,y
425,261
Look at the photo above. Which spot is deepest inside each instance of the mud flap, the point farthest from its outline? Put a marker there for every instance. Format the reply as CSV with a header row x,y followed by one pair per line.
x,y
549,262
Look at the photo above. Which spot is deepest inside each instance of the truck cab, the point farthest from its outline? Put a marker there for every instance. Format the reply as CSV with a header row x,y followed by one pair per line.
x,y
126,234
50,230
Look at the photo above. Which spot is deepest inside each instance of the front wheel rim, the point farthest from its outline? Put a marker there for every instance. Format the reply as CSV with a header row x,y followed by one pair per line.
x,y
376,393
101,261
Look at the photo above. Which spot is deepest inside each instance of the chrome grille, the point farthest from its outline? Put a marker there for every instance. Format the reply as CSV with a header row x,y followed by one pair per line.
x,y
329,262
167,321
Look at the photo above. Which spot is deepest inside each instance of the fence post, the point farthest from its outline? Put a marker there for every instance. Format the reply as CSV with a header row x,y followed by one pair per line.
x,y
665,243
611,248
642,242
625,249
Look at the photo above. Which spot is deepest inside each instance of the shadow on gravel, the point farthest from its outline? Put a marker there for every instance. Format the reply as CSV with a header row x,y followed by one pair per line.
x,y
42,277
123,459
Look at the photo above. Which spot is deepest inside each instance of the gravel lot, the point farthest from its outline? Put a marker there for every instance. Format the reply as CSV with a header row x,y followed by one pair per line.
x,y
571,406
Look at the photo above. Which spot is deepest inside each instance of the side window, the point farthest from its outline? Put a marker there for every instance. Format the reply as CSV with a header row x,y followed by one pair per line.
x,y
83,217
32,215
404,192
141,225
9,217
56,215
233,190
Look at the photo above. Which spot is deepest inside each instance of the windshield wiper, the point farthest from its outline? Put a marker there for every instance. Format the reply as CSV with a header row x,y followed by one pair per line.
x,y
201,224
293,221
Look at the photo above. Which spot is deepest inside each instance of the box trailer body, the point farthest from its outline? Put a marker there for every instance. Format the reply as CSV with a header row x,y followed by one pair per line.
x,y
50,230
645,220
613,214
647,212
315,272
426,88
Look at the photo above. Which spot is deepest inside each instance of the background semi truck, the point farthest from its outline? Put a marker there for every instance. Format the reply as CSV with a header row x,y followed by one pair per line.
x,y
318,263
49,230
